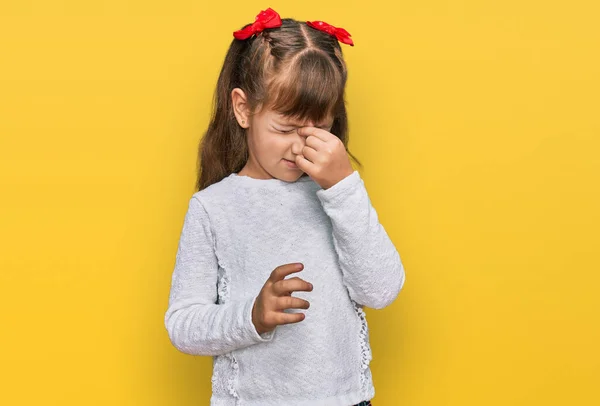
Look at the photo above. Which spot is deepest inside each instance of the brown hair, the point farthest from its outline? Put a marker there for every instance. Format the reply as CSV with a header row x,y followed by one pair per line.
x,y
295,70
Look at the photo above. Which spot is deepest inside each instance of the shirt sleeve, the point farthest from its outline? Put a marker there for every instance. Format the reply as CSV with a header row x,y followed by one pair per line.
x,y
196,324
371,266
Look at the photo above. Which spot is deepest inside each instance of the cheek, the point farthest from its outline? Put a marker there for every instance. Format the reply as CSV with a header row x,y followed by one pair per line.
x,y
273,146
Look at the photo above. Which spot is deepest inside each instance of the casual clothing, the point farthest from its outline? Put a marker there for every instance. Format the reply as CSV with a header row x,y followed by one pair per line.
x,y
235,233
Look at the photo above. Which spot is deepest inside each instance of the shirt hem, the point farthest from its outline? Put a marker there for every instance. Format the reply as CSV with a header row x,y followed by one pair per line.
x,y
346,399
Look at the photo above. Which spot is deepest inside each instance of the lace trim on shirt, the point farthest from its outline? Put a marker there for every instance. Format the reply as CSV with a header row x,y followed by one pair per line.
x,y
367,356
223,281
222,285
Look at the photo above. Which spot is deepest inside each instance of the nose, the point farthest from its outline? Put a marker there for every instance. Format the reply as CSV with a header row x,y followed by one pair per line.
x,y
298,143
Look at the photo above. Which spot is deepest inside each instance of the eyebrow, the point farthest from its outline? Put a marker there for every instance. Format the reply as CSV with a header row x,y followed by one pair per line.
x,y
298,125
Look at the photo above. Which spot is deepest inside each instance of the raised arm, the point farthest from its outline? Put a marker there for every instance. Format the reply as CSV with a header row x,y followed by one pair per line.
x,y
196,324
371,266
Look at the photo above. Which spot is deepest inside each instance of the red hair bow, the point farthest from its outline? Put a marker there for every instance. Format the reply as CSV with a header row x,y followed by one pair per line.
x,y
341,34
268,18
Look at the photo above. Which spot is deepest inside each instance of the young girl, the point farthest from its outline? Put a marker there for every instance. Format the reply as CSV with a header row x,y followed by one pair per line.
x,y
278,196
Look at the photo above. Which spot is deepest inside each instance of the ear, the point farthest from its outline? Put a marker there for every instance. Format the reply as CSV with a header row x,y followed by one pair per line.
x,y
240,107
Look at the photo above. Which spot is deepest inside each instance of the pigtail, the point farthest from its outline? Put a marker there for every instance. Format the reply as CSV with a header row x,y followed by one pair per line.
x,y
223,149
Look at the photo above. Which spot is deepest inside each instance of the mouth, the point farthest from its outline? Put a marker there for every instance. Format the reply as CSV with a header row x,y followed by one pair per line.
x,y
290,164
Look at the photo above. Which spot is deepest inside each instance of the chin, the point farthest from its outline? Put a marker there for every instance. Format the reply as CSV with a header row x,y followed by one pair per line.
x,y
291,176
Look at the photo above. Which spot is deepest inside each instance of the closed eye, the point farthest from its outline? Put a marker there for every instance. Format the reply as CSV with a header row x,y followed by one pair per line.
x,y
286,131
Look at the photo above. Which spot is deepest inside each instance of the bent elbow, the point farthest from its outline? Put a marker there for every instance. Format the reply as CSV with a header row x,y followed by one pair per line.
x,y
402,278
188,341
392,293
177,331
174,331
383,302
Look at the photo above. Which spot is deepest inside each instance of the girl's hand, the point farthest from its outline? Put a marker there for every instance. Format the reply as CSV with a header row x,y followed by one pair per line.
x,y
276,295
324,157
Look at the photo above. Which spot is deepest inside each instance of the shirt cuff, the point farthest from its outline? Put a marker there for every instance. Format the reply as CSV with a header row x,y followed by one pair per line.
x,y
340,189
251,328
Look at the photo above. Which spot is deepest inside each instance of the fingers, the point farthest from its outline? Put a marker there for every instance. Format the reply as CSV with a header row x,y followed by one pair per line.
x,y
310,153
276,297
287,318
317,132
290,302
291,285
305,165
284,270
315,142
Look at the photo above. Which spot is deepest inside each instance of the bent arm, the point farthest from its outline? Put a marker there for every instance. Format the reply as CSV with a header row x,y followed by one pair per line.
x,y
196,324
371,266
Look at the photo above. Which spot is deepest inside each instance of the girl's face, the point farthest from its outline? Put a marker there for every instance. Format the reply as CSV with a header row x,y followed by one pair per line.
x,y
273,142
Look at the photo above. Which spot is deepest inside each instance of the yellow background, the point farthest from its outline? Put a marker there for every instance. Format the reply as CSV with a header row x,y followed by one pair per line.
x,y
477,122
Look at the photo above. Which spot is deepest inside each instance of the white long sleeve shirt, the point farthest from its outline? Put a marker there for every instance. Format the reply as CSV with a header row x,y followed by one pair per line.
x,y
235,233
